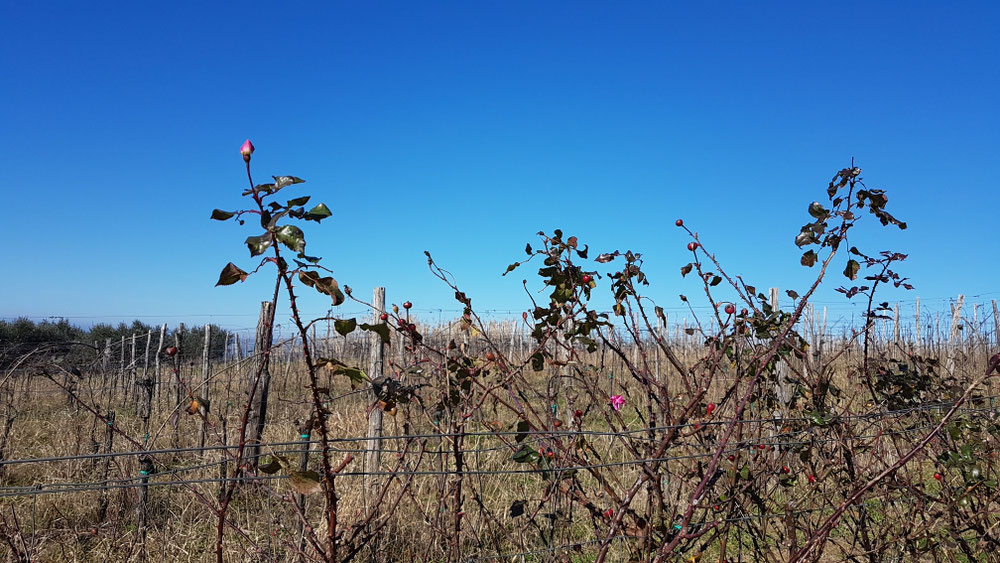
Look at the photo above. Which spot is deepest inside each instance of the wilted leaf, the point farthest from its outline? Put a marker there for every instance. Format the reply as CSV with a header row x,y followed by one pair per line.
x,y
511,268
305,482
809,258
686,269
606,257
345,326
230,275
715,281
806,236
851,271
516,509
220,215
817,210
326,285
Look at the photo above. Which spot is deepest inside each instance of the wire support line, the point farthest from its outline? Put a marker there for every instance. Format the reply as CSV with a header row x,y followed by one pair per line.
x,y
538,435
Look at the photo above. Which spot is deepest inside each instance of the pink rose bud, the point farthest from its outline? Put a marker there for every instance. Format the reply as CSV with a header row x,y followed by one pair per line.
x,y
617,402
246,150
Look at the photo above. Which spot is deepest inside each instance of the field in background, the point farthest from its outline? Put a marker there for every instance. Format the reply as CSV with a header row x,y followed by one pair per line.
x,y
92,470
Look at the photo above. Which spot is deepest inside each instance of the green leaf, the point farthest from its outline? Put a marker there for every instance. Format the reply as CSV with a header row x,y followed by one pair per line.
x,y
381,329
851,271
274,464
345,327
258,245
230,275
318,213
337,367
809,259
305,482
292,237
522,431
282,181
297,201
525,455
220,215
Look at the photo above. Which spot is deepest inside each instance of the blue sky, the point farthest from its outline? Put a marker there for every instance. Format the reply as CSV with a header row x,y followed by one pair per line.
x,y
464,128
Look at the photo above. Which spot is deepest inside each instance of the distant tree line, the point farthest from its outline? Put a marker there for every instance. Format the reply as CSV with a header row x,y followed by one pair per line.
x,y
23,335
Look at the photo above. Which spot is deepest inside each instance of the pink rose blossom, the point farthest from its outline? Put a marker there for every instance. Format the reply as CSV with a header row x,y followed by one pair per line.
x,y
617,402
246,150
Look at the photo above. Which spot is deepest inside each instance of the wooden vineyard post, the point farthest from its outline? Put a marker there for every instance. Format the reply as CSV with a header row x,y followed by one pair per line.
x,y
109,438
105,360
373,446
121,366
145,356
156,362
260,382
996,324
178,382
918,345
895,324
206,374
145,387
953,336
305,436
781,387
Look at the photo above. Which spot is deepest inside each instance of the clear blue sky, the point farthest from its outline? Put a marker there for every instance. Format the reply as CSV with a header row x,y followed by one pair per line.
x,y
463,128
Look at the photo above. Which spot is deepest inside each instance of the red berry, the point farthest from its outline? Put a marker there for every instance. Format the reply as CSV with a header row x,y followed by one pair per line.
x,y
730,309
937,476
609,512
692,246
761,446
407,305
490,356
679,222
715,508
412,327
812,478
170,350
587,278
709,408
578,413
557,423
731,458
785,469
384,316
743,312
401,322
